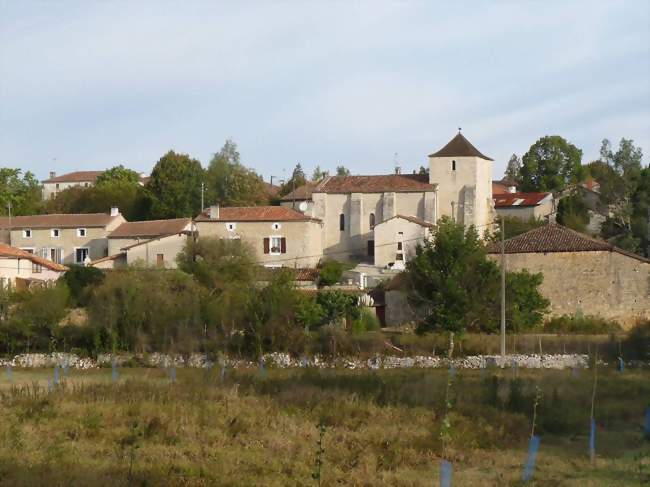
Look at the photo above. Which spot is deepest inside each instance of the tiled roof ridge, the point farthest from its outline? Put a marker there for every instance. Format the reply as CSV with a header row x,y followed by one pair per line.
x,y
9,251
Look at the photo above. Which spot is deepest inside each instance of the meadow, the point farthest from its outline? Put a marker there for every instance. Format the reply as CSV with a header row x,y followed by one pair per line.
x,y
309,427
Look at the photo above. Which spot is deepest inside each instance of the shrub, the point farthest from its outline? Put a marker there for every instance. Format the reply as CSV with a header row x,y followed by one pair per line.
x,y
337,305
367,321
638,341
80,281
587,325
330,273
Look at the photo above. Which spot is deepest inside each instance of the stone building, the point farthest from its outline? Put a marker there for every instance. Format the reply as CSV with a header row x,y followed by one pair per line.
x,y
279,236
21,269
85,179
582,274
397,238
525,205
459,185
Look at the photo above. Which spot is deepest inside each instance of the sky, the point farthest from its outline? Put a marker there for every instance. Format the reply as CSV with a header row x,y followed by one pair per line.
x,y
88,85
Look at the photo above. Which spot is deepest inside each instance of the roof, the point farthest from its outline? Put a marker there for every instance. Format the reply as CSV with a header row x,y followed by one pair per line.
x,y
75,177
459,146
509,200
412,219
255,214
71,220
301,193
151,228
271,189
375,184
500,187
13,252
108,258
556,238
153,239
307,274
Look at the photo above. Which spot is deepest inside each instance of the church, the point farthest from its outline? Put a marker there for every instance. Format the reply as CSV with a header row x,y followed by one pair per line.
x,y
380,219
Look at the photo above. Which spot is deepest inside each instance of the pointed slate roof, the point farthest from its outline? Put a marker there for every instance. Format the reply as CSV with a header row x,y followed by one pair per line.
x,y
459,146
556,238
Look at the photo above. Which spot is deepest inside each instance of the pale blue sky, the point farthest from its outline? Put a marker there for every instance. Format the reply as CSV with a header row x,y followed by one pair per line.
x,y
94,84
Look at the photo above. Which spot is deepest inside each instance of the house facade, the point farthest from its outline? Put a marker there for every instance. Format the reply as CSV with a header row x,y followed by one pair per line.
x,y
397,238
582,274
20,269
525,205
85,179
63,238
279,236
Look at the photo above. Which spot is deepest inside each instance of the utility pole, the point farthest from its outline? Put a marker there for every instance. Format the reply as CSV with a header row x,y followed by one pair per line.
x,y
503,292
202,200
9,210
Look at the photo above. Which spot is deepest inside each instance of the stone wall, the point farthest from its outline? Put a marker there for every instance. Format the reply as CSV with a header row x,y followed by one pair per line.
x,y
607,284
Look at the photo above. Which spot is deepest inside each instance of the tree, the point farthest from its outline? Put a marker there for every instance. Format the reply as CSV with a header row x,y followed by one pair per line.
x,y
454,281
551,164
515,226
80,281
319,174
573,213
513,169
330,272
342,171
118,174
229,183
22,192
298,179
175,186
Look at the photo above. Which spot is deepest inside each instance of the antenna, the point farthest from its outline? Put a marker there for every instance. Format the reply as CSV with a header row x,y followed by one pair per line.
x,y
398,168
459,129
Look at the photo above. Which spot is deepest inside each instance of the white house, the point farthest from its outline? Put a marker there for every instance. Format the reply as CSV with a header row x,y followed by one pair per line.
x,y
19,268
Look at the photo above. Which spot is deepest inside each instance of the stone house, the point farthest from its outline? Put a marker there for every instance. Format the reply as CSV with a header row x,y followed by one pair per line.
x,y
582,274
20,269
279,236
397,238
55,184
524,205
151,243
63,238
459,185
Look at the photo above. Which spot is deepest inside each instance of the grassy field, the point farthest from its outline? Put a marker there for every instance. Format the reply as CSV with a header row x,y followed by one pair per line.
x,y
380,428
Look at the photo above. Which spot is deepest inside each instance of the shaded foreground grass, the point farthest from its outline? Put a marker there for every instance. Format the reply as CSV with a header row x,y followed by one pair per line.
x,y
382,428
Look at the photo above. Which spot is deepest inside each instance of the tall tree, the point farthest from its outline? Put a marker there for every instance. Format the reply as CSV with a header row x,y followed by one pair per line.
x,y
298,179
319,174
551,164
23,192
229,183
342,171
175,186
118,174
513,169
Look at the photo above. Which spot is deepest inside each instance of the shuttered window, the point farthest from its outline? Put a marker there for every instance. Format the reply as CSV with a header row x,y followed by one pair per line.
x,y
267,245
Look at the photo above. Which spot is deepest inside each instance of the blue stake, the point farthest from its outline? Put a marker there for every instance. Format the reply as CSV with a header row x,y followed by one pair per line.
x,y
452,371
647,422
621,364
529,469
262,370
592,440
114,373
66,369
446,470
575,371
56,375
304,362
10,373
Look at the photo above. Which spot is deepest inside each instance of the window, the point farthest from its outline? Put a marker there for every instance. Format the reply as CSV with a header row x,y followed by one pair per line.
x,y
276,226
371,220
160,260
81,232
80,254
399,257
52,253
27,233
36,268
453,165
231,227
57,185
342,222
275,245
399,245
85,185
56,232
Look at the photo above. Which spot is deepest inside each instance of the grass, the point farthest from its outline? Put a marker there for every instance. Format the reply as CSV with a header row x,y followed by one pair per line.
x,y
379,428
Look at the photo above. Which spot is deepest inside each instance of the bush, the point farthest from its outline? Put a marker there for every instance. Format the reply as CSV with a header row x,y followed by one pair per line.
x,y
638,341
586,325
81,280
367,321
330,273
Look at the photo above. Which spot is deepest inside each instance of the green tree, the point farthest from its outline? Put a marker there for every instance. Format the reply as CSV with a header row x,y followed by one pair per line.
x,y
572,212
515,226
551,164
229,183
513,169
342,171
118,174
80,281
298,179
319,174
337,305
330,272
22,191
175,186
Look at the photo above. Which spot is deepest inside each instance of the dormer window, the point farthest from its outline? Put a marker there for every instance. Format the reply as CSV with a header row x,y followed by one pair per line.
x,y
453,165
56,232
27,233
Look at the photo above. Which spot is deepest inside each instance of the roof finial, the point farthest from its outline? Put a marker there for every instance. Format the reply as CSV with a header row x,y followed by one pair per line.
x,y
459,129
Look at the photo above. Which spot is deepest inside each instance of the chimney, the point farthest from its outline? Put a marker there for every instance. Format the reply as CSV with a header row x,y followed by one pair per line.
x,y
398,169
52,174
214,212
115,211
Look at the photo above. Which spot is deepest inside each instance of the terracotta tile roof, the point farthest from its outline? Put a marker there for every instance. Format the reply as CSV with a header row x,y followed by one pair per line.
x,y
556,238
154,239
71,220
271,189
375,184
459,146
514,200
412,219
13,252
306,274
75,177
301,193
105,259
255,214
151,228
